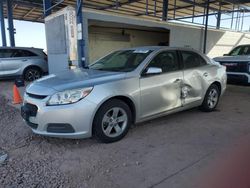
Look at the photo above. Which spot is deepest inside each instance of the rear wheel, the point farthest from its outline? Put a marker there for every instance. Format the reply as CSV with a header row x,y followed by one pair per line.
x,y
112,121
32,73
211,99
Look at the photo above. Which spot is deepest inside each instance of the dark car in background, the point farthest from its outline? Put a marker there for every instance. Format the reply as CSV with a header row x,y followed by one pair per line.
x,y
237,62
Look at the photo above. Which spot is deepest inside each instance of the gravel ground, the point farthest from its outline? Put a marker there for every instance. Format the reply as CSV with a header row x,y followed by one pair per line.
x,y
167,152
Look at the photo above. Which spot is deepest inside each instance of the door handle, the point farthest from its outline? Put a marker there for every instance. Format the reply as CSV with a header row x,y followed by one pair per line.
x,y
205,74
24,60
177,80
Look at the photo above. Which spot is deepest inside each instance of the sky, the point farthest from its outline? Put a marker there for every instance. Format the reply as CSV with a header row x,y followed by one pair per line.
x,y
28,34
31,34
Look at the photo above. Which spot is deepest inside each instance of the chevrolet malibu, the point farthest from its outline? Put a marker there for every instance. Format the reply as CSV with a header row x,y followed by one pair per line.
x,y
125,87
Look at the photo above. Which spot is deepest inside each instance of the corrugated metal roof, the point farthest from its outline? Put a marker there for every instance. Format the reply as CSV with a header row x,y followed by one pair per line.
x,y
32,10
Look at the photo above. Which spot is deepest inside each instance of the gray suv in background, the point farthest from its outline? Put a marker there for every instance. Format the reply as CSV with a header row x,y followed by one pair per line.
x,y
237,62
31,63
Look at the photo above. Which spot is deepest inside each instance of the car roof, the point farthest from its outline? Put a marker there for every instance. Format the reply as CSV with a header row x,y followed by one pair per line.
x,y
157,48
20,48
242,45
161,48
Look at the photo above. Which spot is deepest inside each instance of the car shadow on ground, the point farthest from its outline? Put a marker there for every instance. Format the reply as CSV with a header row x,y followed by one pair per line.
x,y
135,130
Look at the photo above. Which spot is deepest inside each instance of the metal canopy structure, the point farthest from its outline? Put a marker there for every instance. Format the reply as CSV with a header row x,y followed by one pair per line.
x,y
32,10
164,10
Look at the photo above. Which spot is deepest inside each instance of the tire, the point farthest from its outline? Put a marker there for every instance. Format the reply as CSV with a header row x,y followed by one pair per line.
x,y
211,99
32,73
107,127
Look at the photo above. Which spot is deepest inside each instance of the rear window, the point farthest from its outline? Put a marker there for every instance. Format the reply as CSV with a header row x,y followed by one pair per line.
x,y
192,60
8,53
23,53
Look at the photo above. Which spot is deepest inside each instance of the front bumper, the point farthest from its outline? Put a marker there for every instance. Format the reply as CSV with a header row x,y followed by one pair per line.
x,y
66,121
238,77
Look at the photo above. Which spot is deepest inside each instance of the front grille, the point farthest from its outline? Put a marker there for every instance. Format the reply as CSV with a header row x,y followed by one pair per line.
x,y
36,96
237,78
233,66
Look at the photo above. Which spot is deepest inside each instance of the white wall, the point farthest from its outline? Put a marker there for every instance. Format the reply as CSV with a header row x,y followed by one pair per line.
x,y
225,42
185,36
105,40
219,42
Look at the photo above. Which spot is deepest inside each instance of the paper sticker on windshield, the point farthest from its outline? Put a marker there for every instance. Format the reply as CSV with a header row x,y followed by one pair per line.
x,y
141,51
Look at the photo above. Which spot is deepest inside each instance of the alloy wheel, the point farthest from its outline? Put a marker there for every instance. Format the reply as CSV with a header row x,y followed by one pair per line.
x,y
32,74
212,98
114,122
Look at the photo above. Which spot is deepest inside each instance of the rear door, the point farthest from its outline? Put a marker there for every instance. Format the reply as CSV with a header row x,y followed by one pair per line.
x,y
5,58
195,77
17,60
161,92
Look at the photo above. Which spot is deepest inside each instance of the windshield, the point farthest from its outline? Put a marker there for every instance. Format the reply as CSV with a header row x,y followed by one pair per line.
x,y
240,50
121,61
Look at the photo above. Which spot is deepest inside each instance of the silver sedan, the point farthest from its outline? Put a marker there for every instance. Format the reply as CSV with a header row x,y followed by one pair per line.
x,y
125,87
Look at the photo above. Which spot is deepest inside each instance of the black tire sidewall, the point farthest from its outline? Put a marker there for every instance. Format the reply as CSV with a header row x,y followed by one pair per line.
x,y
31,68
97,123
204,107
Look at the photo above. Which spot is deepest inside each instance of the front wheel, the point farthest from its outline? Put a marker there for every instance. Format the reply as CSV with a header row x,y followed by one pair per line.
x,y
211,99
112,121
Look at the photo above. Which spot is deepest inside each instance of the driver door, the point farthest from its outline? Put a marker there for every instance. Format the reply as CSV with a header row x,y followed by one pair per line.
x,y
162,91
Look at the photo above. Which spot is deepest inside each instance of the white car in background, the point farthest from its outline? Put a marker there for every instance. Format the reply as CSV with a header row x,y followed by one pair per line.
x,y
31,63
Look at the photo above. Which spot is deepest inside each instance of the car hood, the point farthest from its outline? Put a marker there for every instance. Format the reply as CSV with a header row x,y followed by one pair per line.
x,y
232,58
72,79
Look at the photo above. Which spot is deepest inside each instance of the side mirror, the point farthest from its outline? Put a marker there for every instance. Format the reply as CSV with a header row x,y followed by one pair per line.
x,y
153,70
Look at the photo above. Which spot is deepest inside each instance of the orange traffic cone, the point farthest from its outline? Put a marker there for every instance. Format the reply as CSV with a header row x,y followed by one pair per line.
x,y
17,99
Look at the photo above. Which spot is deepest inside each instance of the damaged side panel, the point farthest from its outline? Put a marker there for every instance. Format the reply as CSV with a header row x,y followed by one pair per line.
x,y
194,85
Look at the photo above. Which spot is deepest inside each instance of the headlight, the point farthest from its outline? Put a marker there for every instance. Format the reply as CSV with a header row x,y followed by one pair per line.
x,y
69,96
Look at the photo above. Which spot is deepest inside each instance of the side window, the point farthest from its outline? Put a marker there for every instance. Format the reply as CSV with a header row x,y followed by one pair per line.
x,y
202,61
23,53
246,50
240,50
167,61
27,53
191,59
16,53
235,51
5,53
